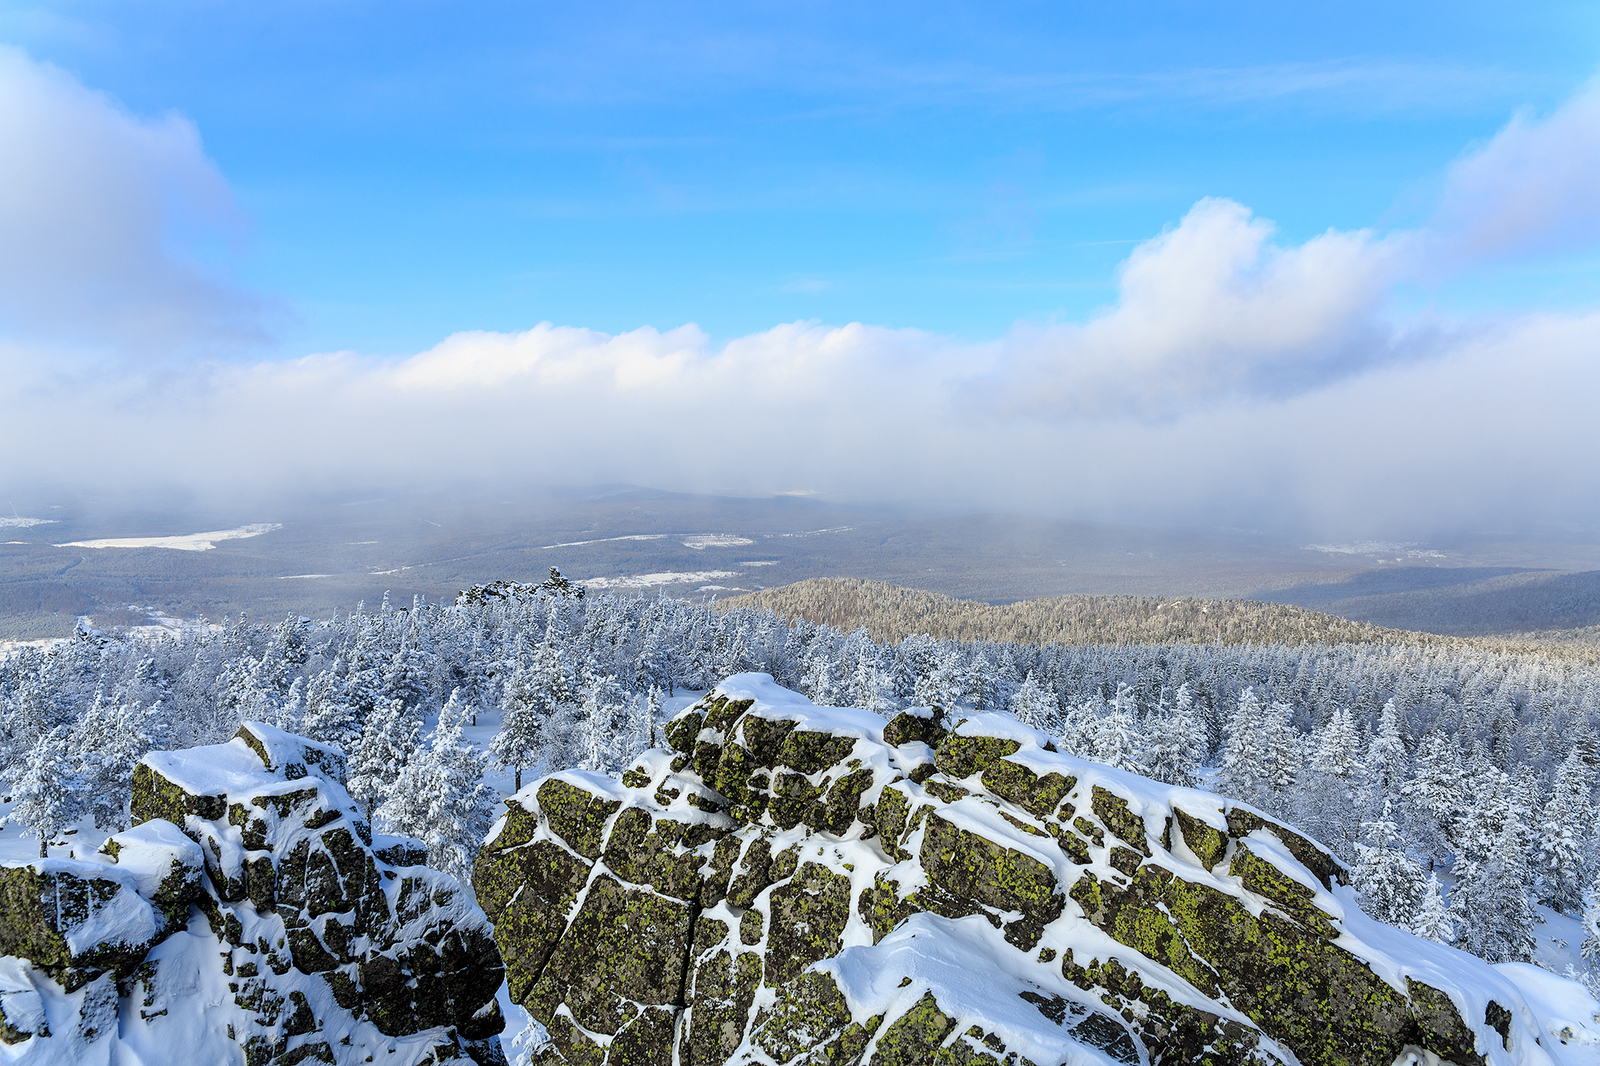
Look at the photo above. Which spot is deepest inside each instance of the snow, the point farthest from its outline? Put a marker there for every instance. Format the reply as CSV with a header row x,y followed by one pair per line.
x,y
667,577
943,955
188,542
1570,1015
703,541
23,523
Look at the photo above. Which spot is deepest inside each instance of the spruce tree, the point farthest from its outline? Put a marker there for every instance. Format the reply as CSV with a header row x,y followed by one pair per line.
x,y
1032,705
379,756
1433,921
441,798
45,788
1391,884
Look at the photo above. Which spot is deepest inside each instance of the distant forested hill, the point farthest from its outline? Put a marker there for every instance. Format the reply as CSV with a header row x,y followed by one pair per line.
x,y
891,613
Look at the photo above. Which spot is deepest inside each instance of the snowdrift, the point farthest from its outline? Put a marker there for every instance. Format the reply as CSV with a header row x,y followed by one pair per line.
x,y
797,884
248,917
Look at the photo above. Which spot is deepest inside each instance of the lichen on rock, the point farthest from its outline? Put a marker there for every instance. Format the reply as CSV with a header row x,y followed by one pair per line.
x,y
793,884
251,909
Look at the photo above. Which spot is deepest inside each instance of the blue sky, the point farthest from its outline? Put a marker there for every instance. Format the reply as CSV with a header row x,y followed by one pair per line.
x,y
1333,268
407,170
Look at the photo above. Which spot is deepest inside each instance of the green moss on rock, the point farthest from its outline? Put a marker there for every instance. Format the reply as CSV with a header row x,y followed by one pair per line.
x,y
1112,810
964,864
1038,795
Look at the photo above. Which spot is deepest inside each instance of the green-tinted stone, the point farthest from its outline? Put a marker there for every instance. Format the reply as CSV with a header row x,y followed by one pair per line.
x,y
576,816
808,916
960,757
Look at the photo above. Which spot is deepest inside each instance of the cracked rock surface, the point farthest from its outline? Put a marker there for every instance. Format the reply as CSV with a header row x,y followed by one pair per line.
x,y
797,884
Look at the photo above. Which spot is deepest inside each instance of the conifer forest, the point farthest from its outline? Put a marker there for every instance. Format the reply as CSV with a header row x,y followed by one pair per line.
x,y
1456,782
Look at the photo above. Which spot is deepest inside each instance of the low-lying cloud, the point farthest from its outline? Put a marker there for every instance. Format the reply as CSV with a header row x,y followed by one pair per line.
x,y
1236,379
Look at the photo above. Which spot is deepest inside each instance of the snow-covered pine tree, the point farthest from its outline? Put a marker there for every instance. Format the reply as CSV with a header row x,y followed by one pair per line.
x,y
1433,921
107,744
1174,743
1387,760
604,733
538,687
1080,727
1032,705
1245,751
44,787
1391,884
386,745
1116,739
327,718
1433,796
869,688
1490,901
441,798
1281,770
940,686
1562,859
1590,948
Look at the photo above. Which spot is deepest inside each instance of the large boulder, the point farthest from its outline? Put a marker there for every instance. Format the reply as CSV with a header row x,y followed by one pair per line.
x,y
799,884
249,916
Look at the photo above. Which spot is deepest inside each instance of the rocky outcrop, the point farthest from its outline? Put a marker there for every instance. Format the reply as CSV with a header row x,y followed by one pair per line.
x,y
250,915
796,884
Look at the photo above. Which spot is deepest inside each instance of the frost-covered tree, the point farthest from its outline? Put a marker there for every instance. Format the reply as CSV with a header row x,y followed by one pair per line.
x,y
1590,948
45,791
1433,796
1116,739
1387,760
379,756
1173,743
1245,750
1391,884
1433,921
1490,902
327,718
602,714
1080,727
1562,859
440,796
107,744
869,687
538,688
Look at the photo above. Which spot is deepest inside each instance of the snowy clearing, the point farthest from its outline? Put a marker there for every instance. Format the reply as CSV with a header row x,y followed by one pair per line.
x,y
607,540
642,581
702,541
189,542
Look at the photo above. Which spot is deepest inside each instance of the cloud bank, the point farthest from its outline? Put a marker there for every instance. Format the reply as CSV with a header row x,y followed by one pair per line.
x,y
1235,380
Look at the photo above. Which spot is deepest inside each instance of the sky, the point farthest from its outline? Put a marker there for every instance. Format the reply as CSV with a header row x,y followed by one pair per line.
x,y
1252,265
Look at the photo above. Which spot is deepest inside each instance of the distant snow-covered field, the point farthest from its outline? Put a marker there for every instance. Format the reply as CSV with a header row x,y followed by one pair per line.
x,y
187,542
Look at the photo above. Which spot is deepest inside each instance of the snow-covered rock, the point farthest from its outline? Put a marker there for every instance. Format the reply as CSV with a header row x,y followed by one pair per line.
x,y
249,916
799,884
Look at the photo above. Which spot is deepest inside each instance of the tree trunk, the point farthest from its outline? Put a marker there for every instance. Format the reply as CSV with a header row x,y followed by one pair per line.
x,y
519,780
44,848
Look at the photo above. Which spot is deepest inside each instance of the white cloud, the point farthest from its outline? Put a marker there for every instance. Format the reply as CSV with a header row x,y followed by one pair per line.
x,y
1211,309
1495,430
1534,188
96,201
